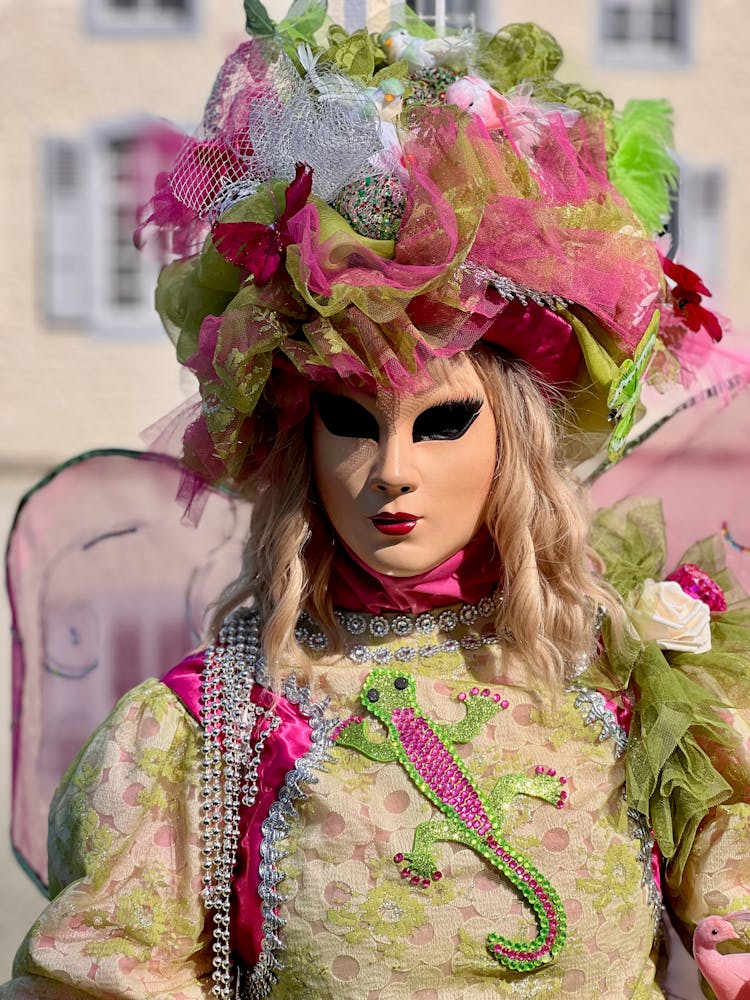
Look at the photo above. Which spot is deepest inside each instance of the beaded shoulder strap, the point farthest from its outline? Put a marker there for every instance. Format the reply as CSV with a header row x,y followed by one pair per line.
x,y
240,716
230,765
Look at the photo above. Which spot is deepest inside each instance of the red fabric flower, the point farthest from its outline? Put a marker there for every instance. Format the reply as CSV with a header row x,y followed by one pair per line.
x,y
686,299
261,248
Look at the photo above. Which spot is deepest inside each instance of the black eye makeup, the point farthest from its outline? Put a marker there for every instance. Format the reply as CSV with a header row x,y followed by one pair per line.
x,y
446,421
343,417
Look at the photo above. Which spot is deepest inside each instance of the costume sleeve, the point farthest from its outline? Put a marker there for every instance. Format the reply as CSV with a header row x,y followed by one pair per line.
x,y
688,762
126,917
716,875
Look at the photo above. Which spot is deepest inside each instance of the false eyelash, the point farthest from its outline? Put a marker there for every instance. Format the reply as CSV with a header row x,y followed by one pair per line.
x,y
343,417
446,421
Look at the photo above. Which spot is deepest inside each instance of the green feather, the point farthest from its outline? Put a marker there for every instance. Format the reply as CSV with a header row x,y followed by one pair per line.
x,y
642,168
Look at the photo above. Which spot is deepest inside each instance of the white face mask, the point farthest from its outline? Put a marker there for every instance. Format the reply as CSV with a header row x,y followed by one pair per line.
x,y
404,479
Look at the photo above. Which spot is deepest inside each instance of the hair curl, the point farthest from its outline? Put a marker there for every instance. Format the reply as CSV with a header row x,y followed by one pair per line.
x,y
536,512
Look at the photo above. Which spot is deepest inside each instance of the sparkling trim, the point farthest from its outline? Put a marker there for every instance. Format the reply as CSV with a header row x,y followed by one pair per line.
x,y
594,704
256,983
426,750
235,731
381,655
400,625
585,661
643,833
510,289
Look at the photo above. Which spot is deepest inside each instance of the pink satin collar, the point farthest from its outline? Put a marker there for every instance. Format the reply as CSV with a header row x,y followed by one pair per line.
x,y
467,576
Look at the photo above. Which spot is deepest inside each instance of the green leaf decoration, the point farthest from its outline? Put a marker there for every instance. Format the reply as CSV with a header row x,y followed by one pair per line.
x,y
516,53
625,391
336,35
355,55
301,8
630,538
587,102
642,168
304,20
257,21
396,71
407,18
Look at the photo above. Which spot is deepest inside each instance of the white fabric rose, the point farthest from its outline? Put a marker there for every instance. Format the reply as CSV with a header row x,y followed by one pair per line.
x,y
672,619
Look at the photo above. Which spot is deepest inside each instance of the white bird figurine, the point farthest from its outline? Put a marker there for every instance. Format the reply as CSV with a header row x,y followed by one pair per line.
x,y
420,53
727,975
388,98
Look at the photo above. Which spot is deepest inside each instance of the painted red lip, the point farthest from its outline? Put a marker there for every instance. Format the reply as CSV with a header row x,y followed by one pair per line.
x,y
400,523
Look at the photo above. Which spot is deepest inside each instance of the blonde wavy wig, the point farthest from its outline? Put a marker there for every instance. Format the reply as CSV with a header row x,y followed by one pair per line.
x,y
536,513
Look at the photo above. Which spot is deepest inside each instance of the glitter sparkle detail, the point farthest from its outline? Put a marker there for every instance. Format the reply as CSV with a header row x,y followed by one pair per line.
x,y
373,205
700,586
426,750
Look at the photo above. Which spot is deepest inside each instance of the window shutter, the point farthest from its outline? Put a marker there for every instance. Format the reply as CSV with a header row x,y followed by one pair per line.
x,y
701,211
63,231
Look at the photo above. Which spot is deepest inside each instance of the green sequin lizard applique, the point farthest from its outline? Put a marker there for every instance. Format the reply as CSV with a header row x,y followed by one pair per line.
x,y
426,750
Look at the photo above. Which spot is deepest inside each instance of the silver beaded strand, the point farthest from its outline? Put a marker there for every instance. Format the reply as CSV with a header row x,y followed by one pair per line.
x,y
235,730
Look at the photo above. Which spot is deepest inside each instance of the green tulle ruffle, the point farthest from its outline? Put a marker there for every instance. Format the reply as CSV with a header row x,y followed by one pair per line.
x,y
683,756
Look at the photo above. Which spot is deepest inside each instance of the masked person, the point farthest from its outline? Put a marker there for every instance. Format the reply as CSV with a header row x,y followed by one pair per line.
x,y
439,746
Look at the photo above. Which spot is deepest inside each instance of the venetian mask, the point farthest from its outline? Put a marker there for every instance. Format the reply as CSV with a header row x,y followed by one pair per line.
x,y
404,478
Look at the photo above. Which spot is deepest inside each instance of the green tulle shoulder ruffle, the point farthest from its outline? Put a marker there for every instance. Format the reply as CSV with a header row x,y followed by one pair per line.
x,y
683,755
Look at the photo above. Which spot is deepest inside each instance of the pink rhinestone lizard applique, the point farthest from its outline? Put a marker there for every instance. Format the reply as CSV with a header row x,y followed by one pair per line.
x,y
426,750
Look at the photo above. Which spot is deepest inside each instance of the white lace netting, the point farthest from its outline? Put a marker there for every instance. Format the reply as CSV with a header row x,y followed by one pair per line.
x,y
262,118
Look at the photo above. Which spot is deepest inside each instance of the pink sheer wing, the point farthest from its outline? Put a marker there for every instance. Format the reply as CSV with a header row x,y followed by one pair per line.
x,y
697,464
108,586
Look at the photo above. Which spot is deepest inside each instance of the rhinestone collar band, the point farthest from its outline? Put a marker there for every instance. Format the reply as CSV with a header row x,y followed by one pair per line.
x,y
401,626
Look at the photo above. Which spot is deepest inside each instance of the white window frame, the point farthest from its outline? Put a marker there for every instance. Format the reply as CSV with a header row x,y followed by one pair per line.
x,y
641,50
442,14
82,237
146,18
64,232
106,317
700,211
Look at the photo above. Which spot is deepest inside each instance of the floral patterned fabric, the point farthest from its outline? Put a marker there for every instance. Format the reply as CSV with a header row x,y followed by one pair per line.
x,y
128,922
126,919
362,931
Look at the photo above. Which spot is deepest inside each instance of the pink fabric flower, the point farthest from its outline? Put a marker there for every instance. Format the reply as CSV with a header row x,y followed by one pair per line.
x,y
258,248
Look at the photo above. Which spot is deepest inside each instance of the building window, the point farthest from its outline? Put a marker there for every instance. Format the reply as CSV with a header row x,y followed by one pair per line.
x,y
63,232
450,14
139,17
644,32
94,276
699,213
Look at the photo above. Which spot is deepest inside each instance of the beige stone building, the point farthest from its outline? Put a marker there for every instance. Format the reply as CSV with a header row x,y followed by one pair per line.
x,y
85,364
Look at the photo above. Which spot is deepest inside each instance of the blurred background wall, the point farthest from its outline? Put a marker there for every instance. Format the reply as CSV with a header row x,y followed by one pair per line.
x,y
85,363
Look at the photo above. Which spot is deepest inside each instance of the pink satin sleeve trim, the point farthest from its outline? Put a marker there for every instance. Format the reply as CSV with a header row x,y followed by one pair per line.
x,y
185,681
284,747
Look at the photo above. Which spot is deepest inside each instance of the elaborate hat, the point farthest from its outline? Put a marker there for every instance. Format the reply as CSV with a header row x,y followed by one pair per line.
x,y
355,205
